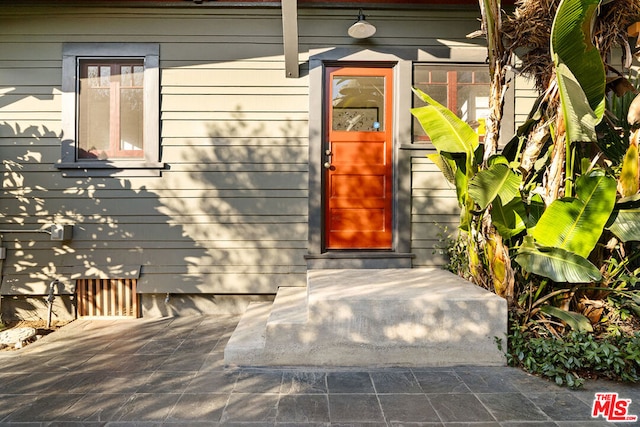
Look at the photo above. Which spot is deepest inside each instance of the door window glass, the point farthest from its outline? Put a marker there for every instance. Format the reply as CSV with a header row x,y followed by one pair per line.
x,y
357,103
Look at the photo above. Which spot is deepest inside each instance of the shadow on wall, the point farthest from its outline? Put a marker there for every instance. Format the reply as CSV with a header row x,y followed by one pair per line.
x,y
240,190
109,216
228,216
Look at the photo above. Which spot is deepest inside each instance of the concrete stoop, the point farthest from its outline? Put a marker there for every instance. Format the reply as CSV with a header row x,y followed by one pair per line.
x,y
390,317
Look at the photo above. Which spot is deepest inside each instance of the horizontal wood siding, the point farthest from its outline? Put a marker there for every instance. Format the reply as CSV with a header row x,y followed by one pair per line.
x,y
230,213
526,94
434,213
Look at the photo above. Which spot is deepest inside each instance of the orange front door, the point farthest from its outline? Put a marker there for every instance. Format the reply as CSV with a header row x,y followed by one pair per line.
x,y
358,158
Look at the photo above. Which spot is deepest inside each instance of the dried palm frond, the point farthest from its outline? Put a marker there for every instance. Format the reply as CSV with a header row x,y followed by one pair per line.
x,y
527,33
614,18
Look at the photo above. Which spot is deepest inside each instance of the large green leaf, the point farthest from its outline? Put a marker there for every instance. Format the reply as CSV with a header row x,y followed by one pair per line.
x,y
577,321
556,264
580,118
626,224
462,185
572,45
446,166
448,133
464,200
575,224
508,219
535,210
630,202
496,181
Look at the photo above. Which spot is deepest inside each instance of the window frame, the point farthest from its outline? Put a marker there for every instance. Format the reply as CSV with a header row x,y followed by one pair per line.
x,y
115,86
451,86
72,54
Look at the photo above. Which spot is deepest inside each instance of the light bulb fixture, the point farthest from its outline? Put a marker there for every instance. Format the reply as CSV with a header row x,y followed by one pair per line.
x,y
361,29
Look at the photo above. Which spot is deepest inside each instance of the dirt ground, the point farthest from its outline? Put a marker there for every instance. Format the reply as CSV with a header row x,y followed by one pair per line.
x,y
39,325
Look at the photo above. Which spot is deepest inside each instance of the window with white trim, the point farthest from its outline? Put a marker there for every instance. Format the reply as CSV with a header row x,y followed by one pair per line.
x,y
110,107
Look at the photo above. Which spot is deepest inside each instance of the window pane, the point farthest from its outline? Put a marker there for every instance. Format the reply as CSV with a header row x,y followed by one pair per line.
x,y
358,103
437,92
105,76
131,110
439,76
125,76
473,103
481,77
138,75
94,113
465,77
93,76
465,93
111,109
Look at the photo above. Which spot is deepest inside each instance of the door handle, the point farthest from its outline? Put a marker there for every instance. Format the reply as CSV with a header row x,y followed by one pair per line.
x,y
327,164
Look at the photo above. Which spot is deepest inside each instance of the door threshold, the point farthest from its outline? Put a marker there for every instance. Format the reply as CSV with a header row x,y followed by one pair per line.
x,y
359,259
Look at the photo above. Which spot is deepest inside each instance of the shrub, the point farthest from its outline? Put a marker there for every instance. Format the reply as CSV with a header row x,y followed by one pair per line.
x,y
571,359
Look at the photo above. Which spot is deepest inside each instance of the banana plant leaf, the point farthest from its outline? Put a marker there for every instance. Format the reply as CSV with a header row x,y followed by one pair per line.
x,y
625,224
611,143
448,133
535,210
580,118
630,202
629,176
576,224
577,321
496,181
571,45
446,166
508,218
498,159
462,185
556,264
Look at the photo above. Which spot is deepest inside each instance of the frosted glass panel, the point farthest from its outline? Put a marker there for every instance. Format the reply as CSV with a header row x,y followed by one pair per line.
x,y
358,103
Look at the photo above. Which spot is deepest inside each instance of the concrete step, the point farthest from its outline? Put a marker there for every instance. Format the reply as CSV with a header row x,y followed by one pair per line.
x,y
247,343
289,306
249,335
390,317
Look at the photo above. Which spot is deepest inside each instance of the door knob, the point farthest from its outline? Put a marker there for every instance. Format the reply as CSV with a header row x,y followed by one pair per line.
x,y
327,165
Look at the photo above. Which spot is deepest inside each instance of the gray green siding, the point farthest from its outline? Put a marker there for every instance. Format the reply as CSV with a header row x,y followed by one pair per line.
x,y
230,212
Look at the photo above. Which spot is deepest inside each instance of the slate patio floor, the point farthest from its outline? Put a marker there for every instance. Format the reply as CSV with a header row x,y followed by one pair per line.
x,y
158,372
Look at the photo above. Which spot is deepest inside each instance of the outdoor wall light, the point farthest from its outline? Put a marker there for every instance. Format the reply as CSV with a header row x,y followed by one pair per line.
x,y
361,29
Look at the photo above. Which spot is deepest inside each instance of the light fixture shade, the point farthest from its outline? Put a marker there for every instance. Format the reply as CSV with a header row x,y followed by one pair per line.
x,y
361,29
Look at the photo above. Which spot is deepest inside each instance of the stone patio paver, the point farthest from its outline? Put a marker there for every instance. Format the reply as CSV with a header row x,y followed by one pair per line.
x,y
170,372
